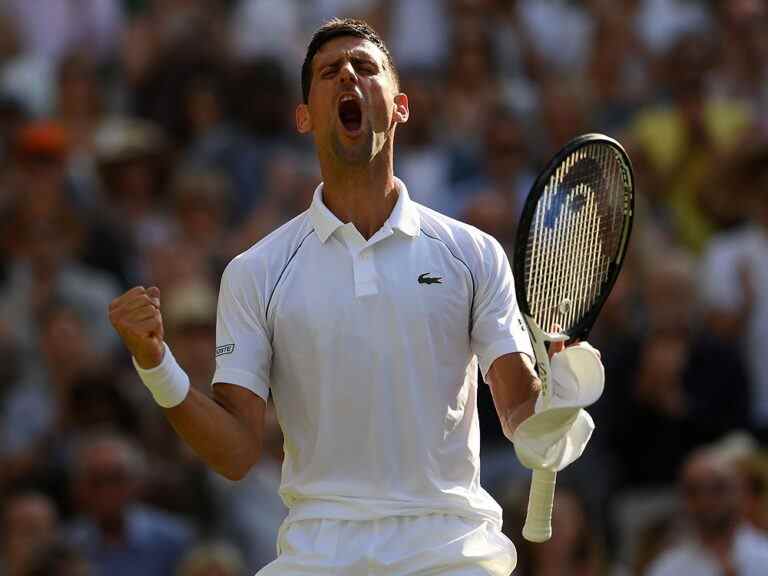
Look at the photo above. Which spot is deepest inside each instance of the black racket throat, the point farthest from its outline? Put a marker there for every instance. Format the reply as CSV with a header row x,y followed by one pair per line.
x,y
573,235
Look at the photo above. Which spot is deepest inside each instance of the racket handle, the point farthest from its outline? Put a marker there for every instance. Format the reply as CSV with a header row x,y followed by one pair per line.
x,y
538,521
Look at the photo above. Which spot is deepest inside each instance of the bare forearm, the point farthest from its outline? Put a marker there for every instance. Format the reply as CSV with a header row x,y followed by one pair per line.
x,y
515,387
511,418
226,430
222,439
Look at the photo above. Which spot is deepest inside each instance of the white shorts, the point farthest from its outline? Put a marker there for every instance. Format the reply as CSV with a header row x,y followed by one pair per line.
x,y
434,544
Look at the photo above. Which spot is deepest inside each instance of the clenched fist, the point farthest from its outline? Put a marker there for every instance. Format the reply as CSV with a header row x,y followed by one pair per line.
x,y
137,319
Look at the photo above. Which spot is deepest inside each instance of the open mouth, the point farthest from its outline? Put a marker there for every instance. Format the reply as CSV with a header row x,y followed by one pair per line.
x,y
350,114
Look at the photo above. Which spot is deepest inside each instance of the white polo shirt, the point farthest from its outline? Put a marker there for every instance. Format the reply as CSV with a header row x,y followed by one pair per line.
x,y
370,349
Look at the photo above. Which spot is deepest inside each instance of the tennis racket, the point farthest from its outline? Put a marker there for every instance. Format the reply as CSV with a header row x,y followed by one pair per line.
x,y
571,242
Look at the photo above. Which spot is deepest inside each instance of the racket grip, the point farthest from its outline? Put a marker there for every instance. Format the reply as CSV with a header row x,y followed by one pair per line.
x,y
538,520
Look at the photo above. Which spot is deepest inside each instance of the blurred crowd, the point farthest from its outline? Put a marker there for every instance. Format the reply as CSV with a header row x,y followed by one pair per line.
x,y
150,141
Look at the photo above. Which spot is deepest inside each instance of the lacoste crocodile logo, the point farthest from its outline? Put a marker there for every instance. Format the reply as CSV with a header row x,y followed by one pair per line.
x,y
427,279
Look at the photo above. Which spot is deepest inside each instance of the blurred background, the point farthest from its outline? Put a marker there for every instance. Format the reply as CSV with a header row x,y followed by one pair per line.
x,y
150,141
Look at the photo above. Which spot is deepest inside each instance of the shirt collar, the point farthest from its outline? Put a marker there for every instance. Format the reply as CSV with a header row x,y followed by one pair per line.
x,y
404,216
324,221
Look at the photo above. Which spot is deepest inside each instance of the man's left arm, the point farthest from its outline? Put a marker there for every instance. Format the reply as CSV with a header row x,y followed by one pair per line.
x,y
515,386
500,338
501,341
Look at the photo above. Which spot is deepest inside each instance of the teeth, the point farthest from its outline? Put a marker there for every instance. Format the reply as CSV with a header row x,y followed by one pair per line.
x,y
346,98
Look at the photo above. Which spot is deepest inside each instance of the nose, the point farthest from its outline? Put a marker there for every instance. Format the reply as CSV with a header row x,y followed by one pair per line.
x,y
347,74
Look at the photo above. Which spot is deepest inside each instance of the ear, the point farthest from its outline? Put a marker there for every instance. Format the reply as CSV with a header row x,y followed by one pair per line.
x,y
402,111
303,119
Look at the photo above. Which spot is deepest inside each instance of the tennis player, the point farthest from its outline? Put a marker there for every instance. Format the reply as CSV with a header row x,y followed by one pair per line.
x,y
366,317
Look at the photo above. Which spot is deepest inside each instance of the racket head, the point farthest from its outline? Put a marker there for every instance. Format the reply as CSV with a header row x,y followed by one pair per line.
x,y
580,210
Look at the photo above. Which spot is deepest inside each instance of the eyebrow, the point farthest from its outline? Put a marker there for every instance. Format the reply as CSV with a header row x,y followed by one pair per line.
x,y
356,56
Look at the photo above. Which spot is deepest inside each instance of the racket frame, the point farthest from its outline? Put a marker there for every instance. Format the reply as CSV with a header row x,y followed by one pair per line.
x,y
538,522
582,329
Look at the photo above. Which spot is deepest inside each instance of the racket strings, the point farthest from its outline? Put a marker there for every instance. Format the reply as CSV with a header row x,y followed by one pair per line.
x,y
575,235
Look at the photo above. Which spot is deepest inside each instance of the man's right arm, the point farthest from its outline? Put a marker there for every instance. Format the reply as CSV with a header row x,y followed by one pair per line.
x,y
224,430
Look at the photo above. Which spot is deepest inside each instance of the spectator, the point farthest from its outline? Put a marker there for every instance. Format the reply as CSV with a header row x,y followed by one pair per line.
x,y
734,286
573,548
29,523
749,462
37,414
118,535
46,236
201,201
719,542
685,136
129,153
673,405
655,538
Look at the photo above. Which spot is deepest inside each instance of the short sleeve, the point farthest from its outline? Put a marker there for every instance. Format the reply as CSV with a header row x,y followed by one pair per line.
x,y
243,347
498,327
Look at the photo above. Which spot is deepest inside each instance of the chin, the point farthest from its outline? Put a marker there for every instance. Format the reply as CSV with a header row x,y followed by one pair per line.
x,y
358,152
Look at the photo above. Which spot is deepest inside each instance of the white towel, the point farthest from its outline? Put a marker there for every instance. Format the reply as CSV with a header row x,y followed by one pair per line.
x,y
555,436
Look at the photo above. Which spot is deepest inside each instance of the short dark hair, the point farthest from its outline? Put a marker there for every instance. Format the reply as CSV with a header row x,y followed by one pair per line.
x,y
336,28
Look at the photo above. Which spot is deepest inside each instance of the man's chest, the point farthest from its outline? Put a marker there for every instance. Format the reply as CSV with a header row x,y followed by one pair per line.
x,y
413,290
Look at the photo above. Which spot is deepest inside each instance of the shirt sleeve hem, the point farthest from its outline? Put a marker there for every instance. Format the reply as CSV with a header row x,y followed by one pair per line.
x,y
243,379
497,349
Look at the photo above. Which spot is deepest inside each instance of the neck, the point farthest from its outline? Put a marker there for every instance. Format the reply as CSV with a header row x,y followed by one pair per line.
x,y
362,195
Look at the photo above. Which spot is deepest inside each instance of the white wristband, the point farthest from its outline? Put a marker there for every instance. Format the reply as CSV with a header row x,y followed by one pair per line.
x,y
167,382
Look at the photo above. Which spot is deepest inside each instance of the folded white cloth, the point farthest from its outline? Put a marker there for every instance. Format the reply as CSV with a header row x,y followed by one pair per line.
x,y
577,378
558,431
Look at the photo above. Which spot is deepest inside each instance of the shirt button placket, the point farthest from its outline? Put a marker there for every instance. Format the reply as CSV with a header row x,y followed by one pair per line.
x,y
365,273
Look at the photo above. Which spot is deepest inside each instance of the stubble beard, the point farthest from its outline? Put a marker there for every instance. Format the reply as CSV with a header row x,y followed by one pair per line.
x,y
357,153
